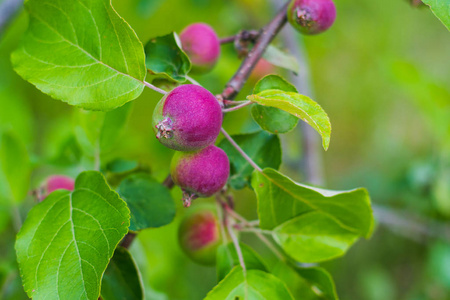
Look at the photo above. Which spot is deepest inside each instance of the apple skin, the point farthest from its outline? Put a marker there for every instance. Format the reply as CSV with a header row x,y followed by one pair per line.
x,y
188,118
311,16
201,44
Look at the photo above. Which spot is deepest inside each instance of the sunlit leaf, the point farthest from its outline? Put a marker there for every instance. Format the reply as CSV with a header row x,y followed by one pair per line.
x,y
300,106
272,119
257,285
81,52
281,199
441,8
67,240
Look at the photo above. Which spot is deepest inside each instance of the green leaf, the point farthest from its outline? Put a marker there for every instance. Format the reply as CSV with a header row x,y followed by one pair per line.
x,y
262,147
281,59
314,237
257,285
98,132
122,279
67,240
227,259
14,167
306,283
281,199
165,58
441,8
150,202
272,119
81,52
300,106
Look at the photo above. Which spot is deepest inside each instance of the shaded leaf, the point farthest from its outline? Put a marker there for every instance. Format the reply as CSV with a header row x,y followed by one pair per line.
x,y
122,279
150,202
227,259
300,106
164,57
257,285
262,147
81,52
67,240
272,119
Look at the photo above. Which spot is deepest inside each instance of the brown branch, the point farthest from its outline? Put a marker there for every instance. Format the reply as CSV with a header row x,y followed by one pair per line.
x,y
244,36
266,36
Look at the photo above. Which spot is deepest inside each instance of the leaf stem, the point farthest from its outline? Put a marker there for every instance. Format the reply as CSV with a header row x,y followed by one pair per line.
x,y
246,103
239,149
192,80
237,246
233,102
263,239
156,89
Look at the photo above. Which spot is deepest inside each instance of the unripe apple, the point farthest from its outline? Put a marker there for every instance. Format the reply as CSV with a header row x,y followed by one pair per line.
x,y
311,16
201,44
188,118
199,235
56,182
200,174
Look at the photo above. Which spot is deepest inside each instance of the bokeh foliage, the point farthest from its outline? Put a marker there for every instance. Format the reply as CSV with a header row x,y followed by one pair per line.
x,y
381,73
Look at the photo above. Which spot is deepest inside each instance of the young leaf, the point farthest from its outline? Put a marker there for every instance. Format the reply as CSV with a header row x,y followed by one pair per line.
x,y
306,283
67,240
313,237
164,57
150,202
262,147
14,167
272,119
281,59
81,52
122,279
441,8
257,285
281,199
300,106
227,259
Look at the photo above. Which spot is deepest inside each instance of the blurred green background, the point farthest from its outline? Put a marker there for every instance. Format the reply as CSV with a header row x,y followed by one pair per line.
x,y
382,73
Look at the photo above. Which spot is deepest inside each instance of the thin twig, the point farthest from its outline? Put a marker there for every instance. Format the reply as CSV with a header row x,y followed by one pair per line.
x,y
244,35
266,36
239,149
263,239
225,110
256,230
156,89
233,102
237,246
